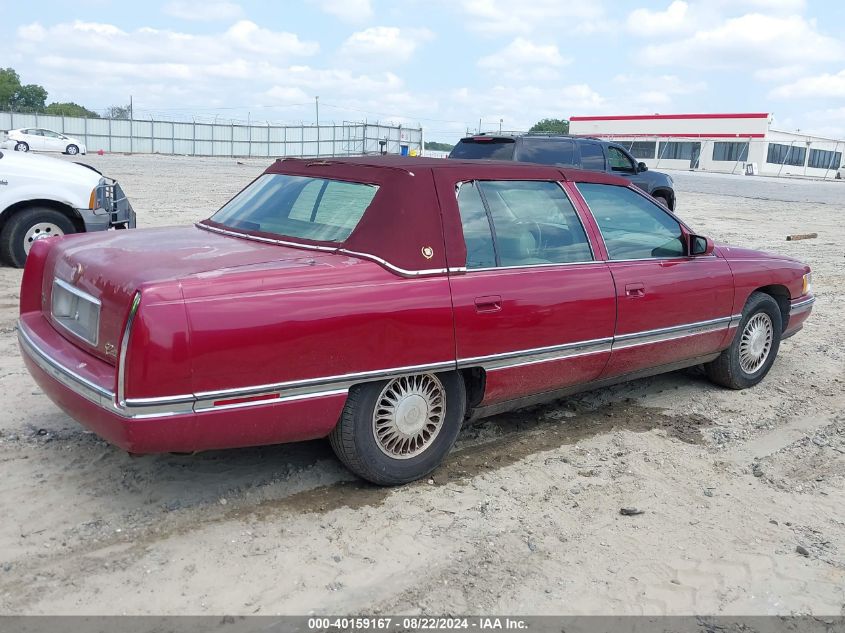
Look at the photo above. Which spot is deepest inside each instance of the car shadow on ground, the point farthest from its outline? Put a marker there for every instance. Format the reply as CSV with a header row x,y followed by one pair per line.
x,y
307,477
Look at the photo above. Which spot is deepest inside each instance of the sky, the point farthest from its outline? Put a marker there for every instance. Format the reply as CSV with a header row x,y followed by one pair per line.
x,y
443,65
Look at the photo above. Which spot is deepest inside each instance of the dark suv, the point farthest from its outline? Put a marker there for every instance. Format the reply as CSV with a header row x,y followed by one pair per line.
x,y
569,151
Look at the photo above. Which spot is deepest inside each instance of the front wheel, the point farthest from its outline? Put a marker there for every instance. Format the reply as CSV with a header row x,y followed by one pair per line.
x,y
72,150
393,432
26,227
754,348
20,146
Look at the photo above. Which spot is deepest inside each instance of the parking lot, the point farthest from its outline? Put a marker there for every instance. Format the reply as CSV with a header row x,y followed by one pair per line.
x,y
741,491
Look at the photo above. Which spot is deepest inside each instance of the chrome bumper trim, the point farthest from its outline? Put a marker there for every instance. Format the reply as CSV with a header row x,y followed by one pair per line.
x,y
802,305
69,378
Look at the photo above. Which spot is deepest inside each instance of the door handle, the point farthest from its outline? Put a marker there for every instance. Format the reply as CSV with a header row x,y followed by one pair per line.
x,y
490,303
635,290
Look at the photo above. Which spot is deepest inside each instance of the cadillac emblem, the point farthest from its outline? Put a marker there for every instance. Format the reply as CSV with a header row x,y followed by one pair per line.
x,y
427,252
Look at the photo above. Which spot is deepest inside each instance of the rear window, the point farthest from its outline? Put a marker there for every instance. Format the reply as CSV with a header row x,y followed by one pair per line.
x,y
486,148
547,151
298,206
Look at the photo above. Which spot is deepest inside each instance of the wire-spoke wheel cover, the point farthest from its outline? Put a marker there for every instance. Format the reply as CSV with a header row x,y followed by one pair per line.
x,y
756,342
408,415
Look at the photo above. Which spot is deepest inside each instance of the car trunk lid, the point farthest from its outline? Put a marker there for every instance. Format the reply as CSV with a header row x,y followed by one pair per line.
x,y
111,267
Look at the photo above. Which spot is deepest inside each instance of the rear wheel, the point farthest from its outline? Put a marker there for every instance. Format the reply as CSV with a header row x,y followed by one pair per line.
x,y
754,348
28,226
20,146
393,432
72,150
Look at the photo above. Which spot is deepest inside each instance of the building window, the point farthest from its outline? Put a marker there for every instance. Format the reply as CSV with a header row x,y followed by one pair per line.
x,y
673,150
824,159
730,151
642,149
780,154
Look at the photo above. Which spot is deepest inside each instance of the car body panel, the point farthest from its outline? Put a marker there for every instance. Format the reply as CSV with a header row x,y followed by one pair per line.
x,y
233,339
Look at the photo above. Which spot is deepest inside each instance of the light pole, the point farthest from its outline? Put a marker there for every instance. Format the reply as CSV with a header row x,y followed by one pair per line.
x,y
500,125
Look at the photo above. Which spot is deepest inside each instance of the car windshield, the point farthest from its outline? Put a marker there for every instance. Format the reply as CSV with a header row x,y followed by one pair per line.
x,y
299,207
481,148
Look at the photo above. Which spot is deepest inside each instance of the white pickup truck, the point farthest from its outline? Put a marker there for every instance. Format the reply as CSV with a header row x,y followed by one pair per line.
x,y
42,197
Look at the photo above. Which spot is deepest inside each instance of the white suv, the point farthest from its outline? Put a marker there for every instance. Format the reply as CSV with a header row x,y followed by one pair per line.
x,y
39,139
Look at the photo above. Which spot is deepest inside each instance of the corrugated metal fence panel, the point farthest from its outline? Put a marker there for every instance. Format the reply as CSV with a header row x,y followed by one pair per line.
x,y
223,139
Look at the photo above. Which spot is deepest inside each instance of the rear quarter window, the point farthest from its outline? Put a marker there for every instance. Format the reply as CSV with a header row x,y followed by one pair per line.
x,y
492,149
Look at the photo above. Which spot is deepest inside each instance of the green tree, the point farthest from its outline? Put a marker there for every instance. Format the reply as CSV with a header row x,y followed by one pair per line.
x,y
10,83
70,109
118,112
29,98
556,126
441,147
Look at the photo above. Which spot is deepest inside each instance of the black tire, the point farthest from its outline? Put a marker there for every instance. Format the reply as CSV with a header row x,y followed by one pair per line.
x,y
353,439
20,146
663,199
72,150
14,233
727,370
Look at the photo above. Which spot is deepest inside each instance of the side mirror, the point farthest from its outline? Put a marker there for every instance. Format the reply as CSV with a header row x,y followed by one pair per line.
x,y
700,245
642,167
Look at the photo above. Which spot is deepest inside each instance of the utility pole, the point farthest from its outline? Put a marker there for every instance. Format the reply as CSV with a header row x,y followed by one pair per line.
x,y
500,125
317,108
131,111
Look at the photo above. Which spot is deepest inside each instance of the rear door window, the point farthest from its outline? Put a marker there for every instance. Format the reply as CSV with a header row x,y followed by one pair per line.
x,y
547,151
592,156
520,223
484,148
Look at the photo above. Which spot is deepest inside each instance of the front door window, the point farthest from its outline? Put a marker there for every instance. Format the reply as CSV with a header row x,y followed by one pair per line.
x,y
632,226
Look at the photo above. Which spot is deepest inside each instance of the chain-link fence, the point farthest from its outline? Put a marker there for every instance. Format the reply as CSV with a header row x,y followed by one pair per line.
x,y
195,138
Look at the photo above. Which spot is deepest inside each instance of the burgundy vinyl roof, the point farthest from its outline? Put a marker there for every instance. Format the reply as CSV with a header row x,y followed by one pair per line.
x,y
403,224
350,166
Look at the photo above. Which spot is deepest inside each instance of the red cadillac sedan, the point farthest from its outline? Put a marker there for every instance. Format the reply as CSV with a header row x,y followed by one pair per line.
x,y
382,301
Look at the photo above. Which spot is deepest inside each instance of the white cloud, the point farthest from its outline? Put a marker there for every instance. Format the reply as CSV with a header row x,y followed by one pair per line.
x,y
496,17
520,109
383,45
347,10
749,40
523,59
206,11
152,46
647,22
824,86
779,73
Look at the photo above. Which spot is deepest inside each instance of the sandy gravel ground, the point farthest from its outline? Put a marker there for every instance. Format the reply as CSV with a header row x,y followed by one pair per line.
x,y
523,518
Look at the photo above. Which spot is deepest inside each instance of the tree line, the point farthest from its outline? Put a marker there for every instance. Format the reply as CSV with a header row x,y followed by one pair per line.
x,y
18,97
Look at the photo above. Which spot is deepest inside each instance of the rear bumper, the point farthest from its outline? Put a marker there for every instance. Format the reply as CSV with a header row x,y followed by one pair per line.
x,y
91,401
